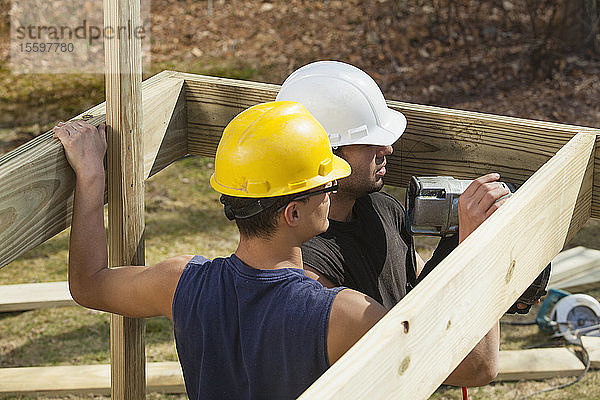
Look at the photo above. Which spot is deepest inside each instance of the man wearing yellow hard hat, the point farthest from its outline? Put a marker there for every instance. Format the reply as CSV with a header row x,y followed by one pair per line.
x,y
254,324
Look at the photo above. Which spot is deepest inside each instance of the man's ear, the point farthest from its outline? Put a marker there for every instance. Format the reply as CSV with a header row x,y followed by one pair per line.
x,y
291,214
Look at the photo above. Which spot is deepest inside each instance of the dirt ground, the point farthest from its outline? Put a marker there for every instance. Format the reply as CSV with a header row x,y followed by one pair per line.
x,y
480,55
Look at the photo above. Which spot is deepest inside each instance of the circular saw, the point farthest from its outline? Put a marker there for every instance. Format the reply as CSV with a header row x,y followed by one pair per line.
x,y
571,315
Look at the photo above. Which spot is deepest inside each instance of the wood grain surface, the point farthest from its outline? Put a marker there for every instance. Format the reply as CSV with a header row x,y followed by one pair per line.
x,y
125,173
538,364
165,377
30,296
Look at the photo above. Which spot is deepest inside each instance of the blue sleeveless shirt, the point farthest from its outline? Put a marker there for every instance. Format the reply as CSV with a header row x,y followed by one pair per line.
x,y
246,333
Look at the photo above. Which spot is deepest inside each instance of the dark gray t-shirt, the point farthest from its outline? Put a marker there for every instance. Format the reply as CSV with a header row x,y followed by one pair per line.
x,y
374,253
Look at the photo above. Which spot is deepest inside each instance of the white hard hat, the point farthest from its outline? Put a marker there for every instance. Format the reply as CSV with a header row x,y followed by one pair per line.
x,y
346,101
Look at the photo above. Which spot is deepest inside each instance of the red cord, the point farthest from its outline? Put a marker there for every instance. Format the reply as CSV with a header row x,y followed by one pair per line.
x,y
464,390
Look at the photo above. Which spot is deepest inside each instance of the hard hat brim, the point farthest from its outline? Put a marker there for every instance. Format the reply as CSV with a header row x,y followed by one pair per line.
x,y
341,169
394,124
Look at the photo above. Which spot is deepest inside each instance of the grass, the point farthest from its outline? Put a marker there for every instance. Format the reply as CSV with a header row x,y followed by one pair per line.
x,y
34,102
31,104
232,67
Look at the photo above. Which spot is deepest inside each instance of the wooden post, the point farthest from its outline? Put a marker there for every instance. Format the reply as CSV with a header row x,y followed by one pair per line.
x,y
125,186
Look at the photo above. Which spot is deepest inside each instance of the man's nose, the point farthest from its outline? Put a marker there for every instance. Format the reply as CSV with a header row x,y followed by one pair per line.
x,y
384,151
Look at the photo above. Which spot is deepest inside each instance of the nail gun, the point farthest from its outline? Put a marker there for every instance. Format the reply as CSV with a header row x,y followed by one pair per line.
x,y
432,204
432,209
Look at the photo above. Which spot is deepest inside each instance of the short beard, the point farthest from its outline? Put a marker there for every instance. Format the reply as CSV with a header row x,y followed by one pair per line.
x,y
356,187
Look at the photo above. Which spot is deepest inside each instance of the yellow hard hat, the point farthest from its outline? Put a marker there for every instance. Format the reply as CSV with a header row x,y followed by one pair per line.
x,y
274,149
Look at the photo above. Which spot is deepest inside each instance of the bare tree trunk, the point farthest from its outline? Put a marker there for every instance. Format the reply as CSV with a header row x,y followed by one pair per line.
x,y
578,26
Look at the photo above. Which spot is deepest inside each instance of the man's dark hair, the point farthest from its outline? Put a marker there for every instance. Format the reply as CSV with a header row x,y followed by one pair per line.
x,y
264,223
337,151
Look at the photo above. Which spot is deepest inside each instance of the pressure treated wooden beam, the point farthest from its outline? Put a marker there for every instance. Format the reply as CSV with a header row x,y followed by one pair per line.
x,y
163,377
576,270
572,262
125,172
437,141
412,350
581,283
592,346
36,181
515,365
30,296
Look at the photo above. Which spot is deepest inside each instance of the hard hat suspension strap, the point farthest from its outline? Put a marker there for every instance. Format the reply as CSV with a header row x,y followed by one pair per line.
x,y
248,211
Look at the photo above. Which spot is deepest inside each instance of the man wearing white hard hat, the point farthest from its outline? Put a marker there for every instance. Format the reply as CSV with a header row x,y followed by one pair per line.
x,y
367,245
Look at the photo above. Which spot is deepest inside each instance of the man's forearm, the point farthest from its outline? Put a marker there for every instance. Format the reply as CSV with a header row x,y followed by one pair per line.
x,y
87,247
480,366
